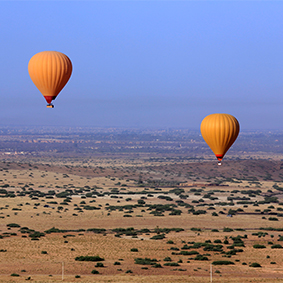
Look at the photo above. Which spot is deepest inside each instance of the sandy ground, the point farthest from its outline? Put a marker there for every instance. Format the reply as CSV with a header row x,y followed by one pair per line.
x,y
41,261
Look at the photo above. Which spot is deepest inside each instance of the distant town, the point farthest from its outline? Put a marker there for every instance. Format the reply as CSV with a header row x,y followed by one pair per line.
x,y
183,143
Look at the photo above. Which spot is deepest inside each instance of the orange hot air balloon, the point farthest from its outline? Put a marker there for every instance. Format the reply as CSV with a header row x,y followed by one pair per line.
x,y
50,71
219,131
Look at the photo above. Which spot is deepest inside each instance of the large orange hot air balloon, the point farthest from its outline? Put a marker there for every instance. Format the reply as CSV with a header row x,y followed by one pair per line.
x,y
219,131
50,71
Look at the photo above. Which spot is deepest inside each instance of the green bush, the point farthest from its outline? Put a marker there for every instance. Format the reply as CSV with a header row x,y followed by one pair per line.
x,y
226,229
200,257
13,225
273,219
222,262
15,275
276,246
89,258
145,261
94,271
158,237
189,253
255,264
196,229
171,264
134,250
99,264
257,246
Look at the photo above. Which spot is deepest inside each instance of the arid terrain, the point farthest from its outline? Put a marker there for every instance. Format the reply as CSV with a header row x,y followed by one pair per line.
x,y
125,206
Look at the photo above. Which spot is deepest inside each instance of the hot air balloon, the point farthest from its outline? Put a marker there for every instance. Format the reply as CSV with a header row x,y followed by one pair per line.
x,y
219,131
50,71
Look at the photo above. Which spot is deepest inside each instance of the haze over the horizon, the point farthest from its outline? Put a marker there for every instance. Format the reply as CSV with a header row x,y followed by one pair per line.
x,y
145,63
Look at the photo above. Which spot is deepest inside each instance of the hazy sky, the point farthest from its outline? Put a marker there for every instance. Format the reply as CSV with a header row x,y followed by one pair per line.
x,y
146,63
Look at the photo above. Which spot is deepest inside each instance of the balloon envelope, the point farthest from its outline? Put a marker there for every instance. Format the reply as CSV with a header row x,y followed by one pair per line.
x,y
219,131
50,71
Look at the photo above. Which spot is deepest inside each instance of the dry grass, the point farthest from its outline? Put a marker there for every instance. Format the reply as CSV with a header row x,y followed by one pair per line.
x,y
26,254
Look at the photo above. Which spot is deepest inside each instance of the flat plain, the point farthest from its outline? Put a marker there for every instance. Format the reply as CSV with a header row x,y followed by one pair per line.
x,y
131,207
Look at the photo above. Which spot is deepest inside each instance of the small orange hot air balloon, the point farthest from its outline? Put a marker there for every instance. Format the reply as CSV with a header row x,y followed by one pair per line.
x,y
219,131
50,71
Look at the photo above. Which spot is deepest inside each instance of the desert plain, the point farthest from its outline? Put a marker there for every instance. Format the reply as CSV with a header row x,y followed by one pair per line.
x,y
91,214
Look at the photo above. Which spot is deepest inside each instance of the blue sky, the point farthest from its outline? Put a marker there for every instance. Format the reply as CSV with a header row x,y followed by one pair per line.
x,y
146,63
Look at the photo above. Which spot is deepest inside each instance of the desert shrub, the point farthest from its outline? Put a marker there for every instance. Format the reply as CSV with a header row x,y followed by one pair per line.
x,y
77,276
170,242
276,246
189,252
145,261
96,230
200,257
171,264
214,248
140,201
217,271
127,215
255,264
94,271
226,229
129,271
272,262
196,229
99,264
89,258
134,250
36,235
233,252
157,265
89,207
158,237
174,249
222,262
117,263
15,275
175,212
167,258
165,197
13,225
257,246
273,219
198,212
44,252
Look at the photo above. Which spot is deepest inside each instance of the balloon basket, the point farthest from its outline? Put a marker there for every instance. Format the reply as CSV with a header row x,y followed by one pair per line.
x,y
219,163
50,106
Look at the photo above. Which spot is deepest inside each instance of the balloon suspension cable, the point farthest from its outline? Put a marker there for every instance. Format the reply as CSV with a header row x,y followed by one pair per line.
x,y
49,105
